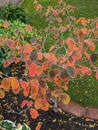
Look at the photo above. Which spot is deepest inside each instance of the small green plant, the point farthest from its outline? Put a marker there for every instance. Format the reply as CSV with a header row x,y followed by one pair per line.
x,y
9,125
17,30
12,12
12,34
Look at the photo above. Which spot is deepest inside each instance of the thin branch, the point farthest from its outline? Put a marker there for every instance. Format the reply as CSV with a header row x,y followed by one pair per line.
x,y
19,113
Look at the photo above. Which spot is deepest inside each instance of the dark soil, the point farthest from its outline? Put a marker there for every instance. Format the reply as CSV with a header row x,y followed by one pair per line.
x,y
51,120
10,108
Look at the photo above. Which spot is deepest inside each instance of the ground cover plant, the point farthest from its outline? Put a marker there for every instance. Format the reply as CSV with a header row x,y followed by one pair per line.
x,y
84,91
47,71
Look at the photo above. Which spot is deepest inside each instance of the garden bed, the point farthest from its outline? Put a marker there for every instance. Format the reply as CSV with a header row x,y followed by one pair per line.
x,y
50,119
72,116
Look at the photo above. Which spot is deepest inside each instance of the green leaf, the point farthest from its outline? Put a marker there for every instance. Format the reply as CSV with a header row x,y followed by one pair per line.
x,y
7,125
70,71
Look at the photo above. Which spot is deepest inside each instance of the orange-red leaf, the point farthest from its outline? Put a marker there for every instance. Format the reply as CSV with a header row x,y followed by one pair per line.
x,y
43,91
38,8
29,103
24,103
6,84
38,127
45,105
90,44
17,60
83,21
39,55
52,48
87,55
96,75
39,70
34,82
58,82
6,24
29,28
12,44
63,28
62,60
89,72
16,90
77,70
96,24
85,70
14,82
7,63
34,87
45,65
84,30
55,12
70,43
34,114
41,104
32,69
65,87
60,1
59,19
25,93
38,103
26,49
24,85
76,54
51,57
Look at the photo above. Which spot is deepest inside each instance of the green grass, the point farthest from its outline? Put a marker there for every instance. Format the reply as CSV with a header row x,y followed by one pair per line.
x,y
34,18
86,8
85,90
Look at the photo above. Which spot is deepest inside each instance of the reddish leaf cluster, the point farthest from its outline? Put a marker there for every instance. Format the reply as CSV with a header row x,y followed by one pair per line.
x,y
53,65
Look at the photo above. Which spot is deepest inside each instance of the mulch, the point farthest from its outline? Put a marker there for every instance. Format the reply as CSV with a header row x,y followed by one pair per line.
x,y
51,120
10,108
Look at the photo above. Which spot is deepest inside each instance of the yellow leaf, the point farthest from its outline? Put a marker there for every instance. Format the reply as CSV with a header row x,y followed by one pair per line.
x,y
16,91
14,83
65,99
2,93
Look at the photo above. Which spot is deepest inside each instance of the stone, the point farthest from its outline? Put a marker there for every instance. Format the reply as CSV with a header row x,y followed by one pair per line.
x,y
73,108
91,113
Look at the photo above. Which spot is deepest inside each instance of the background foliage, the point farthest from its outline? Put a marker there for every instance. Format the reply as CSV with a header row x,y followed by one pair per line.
x,y
13,12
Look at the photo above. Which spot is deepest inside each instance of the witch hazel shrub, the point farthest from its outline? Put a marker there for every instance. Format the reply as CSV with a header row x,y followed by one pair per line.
x,y
66,50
